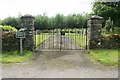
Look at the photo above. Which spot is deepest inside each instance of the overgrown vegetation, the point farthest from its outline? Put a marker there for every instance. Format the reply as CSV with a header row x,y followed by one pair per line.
x,y
107,57
8,28
14,56
107,9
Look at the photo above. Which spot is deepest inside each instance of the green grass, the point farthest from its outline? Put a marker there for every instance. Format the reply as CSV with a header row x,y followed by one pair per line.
x,y
40,39
107,57
14,56
80,39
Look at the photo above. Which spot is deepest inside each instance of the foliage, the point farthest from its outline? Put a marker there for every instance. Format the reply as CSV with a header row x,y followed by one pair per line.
x,y
110,41
11,21
43,22
8,28
109,25
9,41
60,21
107,57
116,31
108,9
14,56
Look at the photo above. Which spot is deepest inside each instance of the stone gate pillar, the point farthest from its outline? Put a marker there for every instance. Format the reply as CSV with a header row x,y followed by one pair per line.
x,y
95,25
28,25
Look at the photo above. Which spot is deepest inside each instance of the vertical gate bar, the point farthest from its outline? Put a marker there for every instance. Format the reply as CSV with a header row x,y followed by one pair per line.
x,y
38,36
71,38
35,40
82,38
44,40
53,38
86,39
75,38
64,39
79,38
49,39
58,39
68,35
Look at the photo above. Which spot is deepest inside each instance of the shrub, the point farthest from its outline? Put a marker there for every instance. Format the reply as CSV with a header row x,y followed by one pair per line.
x,y
110,41
9,41
8,28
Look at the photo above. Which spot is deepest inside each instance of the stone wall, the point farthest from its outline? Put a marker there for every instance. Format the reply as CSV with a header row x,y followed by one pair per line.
x,y
10,42
111,41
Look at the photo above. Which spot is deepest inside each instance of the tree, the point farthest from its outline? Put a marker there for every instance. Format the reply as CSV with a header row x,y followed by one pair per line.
x,y
15,22
41,22
59,21
108,9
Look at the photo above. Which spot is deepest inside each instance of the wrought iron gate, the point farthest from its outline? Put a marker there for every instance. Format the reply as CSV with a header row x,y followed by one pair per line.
x,y
61,39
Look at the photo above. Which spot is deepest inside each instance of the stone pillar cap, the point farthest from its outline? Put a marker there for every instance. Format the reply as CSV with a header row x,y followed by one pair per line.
x,y
27,16
96,17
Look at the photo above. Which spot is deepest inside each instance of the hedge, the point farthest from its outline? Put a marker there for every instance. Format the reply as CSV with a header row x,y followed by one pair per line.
x,y
111,41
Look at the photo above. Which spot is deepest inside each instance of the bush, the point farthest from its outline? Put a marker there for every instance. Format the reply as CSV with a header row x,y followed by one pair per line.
x,y
8,28
9,41
110,41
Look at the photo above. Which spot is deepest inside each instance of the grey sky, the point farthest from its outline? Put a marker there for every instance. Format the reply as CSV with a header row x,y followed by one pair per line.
x,y
50,7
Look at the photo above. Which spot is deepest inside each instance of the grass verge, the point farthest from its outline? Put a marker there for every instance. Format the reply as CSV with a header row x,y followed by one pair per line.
x,y
107,57
14,56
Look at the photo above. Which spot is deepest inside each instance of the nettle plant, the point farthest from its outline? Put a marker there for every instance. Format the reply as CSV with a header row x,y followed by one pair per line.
x,y
8,28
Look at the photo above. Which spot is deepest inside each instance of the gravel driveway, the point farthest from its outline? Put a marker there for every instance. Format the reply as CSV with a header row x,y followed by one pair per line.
x,y
59,64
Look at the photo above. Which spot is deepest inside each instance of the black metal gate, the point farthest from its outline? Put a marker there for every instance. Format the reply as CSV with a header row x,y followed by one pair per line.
x,y
60,39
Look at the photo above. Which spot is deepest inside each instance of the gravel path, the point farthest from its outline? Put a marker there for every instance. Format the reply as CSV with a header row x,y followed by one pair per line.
x,y
59,64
